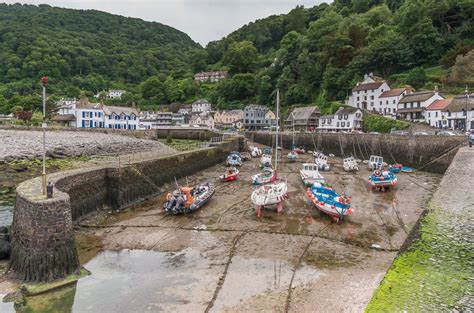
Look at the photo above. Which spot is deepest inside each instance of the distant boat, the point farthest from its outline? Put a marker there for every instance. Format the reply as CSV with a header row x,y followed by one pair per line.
x,y
268,176
350,164
292,156
234,159
382,180
230,174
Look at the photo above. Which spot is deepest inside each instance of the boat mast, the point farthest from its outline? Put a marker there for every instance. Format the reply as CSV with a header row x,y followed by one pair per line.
x,y
276,131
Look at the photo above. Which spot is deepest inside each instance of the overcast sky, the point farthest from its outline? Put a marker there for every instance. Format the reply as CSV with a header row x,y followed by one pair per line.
x,y
203,20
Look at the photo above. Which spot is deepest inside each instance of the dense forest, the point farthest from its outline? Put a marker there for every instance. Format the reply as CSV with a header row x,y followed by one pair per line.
x,y
314,55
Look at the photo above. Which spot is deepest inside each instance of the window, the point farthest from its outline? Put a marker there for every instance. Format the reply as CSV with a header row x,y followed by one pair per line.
x,y
348,124
393,101
371,97
463,112
386,102
357,98
380,102
343,124
429,114
449,113
337,124
436,114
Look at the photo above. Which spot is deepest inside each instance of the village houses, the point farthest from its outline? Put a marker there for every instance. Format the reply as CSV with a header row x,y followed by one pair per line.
x,y
303,119
344,120
258,117
461,111
366,94
201,106
434,115
202,121
223,119
412,106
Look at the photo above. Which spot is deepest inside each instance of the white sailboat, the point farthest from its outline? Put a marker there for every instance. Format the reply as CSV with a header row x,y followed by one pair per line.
x,y
276,192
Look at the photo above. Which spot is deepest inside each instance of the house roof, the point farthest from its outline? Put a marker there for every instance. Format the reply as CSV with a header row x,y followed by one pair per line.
x,y
417,96
327,116
367,86
349,110
255,107
392,93
119,110
439,104
460,102
64,118
302,113
201,101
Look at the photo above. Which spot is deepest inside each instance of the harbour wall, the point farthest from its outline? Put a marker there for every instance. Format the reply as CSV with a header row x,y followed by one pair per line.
x,y
43,246
428,153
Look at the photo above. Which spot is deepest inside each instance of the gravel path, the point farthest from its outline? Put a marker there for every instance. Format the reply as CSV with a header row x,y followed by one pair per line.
x,y
18,145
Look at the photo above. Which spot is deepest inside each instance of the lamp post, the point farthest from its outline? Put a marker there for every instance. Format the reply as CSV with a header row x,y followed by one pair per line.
x,y
43,126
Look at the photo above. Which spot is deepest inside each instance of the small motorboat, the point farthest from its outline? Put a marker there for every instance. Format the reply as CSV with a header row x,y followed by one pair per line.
x,y
299,150
245,156
255,152
188,199
382,180
375,163
230,174
310,174
329,202
407,169
395,168
270,195
322,162
234,159
266,160
350,164
292,156
268,176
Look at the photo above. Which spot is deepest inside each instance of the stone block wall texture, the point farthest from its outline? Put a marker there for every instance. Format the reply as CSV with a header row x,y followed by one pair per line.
x,y
192,134
43,246
429,153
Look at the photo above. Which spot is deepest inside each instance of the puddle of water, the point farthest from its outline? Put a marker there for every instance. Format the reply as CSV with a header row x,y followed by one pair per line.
x,y
131,281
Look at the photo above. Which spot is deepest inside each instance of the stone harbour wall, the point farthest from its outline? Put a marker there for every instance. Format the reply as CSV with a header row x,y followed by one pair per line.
x,y
428,153
43,246
192,134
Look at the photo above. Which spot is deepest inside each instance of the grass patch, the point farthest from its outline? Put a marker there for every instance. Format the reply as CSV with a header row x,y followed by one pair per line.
x,y
39,288
183,144
382,124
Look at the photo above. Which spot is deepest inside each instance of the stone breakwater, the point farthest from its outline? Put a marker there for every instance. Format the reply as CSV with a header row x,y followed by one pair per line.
x,y
428,153
20,145
43,246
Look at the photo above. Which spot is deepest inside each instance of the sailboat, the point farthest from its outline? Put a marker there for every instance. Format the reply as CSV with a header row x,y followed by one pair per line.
x,y
274,193
292,155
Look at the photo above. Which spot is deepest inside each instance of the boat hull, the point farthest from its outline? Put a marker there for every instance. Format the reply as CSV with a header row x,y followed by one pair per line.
x,y
173,207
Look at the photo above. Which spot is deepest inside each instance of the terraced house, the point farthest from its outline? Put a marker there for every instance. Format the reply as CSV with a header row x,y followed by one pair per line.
x,y
303,119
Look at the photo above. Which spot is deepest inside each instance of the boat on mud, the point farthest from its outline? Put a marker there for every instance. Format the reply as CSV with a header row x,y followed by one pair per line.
x,y
382,180
350,164
395,168
255,152
310,174
185,200
230,174
375,163
292,156
266,177
234,159
299,150
321,160
270,195
328,201
245,156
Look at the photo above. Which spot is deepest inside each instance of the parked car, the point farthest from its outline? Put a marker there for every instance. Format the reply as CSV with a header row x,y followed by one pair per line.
x,y
420,133
400,132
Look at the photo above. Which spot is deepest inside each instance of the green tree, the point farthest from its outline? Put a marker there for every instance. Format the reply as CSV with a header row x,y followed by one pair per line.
x,y
416,77
36,118
241,57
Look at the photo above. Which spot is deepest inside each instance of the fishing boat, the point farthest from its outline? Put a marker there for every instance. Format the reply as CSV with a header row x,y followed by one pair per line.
x,y
230,174
270,195
234,159
407,169
255,152
246,156
350,164
395,168
329,202
292,156
185,200
275,193
321,161
382,180
375,162
310,174
268,176
299,150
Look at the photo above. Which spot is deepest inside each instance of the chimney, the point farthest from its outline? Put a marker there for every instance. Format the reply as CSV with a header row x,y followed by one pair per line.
x,y
436,89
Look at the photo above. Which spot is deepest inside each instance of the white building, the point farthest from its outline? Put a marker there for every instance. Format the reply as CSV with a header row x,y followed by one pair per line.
x,y
66,109
434,115
89,116
345,120
461,111
412,106
202,121
121,117
201,106
212,77
387,103
365,95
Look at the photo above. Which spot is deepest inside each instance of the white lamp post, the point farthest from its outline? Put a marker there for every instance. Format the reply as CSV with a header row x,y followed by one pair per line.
x,y
43,126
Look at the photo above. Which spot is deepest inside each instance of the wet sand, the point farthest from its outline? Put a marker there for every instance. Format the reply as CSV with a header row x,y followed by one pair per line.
x,y
224,258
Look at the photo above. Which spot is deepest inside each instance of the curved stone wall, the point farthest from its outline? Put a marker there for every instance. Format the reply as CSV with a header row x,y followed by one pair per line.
x,y
43,246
